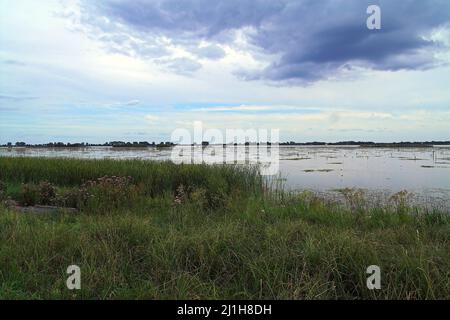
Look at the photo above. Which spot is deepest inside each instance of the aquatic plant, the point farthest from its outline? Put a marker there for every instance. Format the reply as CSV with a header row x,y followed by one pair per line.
x,y
401,200
355,198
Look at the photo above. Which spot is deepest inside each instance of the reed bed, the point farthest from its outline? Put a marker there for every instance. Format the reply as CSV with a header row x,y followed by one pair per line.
x,y
157,177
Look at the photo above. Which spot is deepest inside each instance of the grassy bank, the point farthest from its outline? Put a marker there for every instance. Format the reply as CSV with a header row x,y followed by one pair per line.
x,y
174,232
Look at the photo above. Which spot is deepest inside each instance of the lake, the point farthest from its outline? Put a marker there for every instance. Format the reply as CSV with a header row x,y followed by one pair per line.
x,y
381,171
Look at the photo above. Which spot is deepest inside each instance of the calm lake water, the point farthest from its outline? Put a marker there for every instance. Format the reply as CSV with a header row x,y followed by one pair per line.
x,y
422,171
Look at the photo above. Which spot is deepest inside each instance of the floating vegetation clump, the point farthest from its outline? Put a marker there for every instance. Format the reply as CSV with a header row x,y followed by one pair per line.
x,y
318,170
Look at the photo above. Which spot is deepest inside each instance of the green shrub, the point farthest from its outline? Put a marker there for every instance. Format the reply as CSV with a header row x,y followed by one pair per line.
x,y
205,199
47,193
109,192
216,199
70,198
180,196
199,197
29,194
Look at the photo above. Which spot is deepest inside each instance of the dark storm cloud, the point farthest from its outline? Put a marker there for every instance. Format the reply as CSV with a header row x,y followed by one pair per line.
x,y
313,39
213,52
199,18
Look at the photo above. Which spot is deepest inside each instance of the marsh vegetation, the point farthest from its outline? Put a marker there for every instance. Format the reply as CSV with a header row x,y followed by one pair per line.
x,y
163,231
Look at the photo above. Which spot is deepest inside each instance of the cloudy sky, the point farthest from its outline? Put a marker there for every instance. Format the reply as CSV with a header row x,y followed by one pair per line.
x,y
136,70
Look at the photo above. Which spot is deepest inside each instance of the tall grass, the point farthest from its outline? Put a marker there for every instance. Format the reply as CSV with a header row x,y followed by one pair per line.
x,y
156,177
255,246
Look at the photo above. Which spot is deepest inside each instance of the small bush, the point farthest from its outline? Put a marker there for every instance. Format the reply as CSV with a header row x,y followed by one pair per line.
x,y
29,194
109,192
216,199
199,197
47,193
180,196
72,198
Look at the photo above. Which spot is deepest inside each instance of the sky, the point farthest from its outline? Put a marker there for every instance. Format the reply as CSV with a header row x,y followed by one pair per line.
x,y
97,71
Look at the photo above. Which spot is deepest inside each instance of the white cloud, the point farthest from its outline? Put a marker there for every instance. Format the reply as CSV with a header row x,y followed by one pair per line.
x,y
151,118
236,108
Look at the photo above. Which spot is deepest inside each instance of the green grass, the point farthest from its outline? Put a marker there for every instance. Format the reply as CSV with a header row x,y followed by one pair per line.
x,y
254,245
156,177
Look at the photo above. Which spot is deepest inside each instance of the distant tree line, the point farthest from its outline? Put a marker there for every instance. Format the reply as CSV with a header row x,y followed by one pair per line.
x,y
370,143
117,144
135,144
